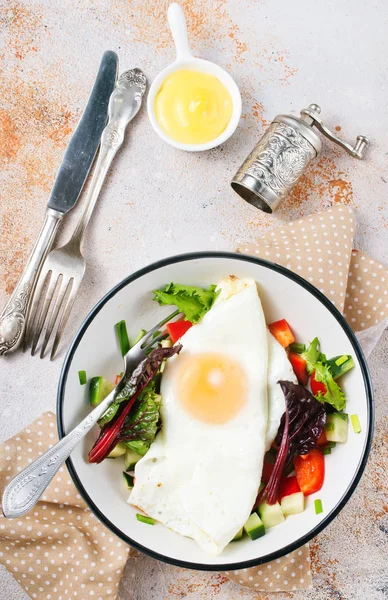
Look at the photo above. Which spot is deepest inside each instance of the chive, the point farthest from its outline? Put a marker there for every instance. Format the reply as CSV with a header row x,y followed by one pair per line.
x,y
145,519
330,445
122,335
326,450
141,334
128,480
355,423
343,416
82,377
329,427
297,348
341,360
318,506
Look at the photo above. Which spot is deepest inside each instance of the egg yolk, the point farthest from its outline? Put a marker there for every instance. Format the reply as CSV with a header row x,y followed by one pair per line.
x,y
211,387
193,107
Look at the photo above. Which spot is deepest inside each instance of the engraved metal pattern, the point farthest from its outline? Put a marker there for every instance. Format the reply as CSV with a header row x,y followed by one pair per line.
x,y
13,320
280,158
27,487
134,77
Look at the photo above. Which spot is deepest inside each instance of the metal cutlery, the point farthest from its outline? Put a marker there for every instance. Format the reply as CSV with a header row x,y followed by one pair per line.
x,y
24,491
64,268
68,184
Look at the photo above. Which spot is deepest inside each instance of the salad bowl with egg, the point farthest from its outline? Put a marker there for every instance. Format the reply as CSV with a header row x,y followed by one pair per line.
x,y
255,429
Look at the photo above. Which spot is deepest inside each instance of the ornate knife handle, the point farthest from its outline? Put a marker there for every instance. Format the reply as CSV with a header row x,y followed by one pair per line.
x,y
24,491
14,316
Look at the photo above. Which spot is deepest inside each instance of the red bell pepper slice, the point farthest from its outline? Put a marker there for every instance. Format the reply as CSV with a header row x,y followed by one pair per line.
x,y
288,486
317,386
300,367
177,329
282,332
310,471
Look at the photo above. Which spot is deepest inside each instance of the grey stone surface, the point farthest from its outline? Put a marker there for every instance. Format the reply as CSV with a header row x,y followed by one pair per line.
x,y
158,201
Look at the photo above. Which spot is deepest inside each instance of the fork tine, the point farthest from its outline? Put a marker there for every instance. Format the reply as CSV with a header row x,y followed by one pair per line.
x,y
56,310
155,340
146,338
63,320
40,317
35,310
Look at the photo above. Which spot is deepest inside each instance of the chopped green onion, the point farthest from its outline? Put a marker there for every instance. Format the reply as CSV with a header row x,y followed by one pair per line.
x,y
318,506
155,334
355,423
82,377
341,360
141,334
122,335
330,445
121,374
326,450
329,427
128,480
145,519
343,416
297,348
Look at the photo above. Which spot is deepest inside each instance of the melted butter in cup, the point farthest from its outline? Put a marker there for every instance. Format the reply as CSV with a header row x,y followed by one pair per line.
x,y
193,107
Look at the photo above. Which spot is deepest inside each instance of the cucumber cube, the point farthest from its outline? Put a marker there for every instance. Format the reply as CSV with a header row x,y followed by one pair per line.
x,y
238,535
131,458
99,388
118,450
128,479
254,526
270,514
292,504
336,427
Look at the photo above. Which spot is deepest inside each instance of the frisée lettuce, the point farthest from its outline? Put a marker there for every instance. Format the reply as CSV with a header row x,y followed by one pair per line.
x,y
194,302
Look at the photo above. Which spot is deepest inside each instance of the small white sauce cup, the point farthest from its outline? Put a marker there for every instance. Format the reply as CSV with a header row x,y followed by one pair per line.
x,y
186,60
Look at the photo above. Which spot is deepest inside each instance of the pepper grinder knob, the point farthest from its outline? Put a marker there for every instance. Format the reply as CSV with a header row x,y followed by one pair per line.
x,y
311,117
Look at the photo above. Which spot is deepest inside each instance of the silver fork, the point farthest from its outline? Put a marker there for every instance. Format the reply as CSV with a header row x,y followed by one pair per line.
x,y
64,268
24,491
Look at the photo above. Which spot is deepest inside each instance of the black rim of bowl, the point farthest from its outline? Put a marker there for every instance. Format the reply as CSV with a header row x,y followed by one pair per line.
x,y
357,350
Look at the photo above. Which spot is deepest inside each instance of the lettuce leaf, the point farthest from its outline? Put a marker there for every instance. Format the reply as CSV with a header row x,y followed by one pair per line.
x,y
194,302
300,428
334,395
137,393
140,427
312,355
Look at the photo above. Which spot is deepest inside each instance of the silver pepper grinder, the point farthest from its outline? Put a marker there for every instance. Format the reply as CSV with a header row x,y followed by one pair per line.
x,y
282,155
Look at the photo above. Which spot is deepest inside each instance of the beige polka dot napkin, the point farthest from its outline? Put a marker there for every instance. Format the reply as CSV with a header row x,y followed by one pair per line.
x,y
319,248
58,551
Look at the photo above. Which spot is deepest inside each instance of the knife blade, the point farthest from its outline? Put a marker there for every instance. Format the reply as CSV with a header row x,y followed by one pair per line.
x,y
68,185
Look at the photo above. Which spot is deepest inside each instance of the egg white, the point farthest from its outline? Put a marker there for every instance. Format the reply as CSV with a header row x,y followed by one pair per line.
x,y
201,479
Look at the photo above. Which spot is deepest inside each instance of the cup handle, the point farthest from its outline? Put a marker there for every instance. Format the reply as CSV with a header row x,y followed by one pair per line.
x,y
177,22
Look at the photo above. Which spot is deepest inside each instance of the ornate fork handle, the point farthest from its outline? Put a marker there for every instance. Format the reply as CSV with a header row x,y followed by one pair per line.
x,y
24,491
124,104
14,316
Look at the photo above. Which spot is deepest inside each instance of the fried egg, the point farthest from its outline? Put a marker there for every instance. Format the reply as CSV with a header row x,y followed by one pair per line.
x,y
279,367
200,476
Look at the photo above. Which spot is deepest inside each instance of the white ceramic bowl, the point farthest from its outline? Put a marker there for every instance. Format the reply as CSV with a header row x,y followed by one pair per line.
x,y
186,60
94,349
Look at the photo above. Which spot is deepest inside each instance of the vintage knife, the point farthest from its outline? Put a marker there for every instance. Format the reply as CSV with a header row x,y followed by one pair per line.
x,y
69,182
